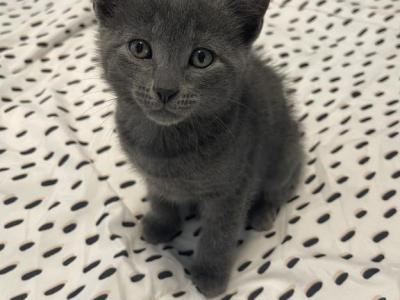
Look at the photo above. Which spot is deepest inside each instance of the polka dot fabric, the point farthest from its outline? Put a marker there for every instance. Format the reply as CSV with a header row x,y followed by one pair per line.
x,y
71,206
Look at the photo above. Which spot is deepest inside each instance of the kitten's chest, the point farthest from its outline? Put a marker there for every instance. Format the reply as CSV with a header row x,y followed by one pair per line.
x,y
179,165
181,178
176,159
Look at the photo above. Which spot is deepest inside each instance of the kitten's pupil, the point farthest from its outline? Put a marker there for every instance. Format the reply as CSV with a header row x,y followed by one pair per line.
x,y
201,56
139,47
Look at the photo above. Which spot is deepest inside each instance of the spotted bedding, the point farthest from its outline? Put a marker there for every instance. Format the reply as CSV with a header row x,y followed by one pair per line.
x,y
71,206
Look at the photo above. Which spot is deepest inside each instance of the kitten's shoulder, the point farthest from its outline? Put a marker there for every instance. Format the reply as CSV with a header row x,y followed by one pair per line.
x,y
264,80
263,70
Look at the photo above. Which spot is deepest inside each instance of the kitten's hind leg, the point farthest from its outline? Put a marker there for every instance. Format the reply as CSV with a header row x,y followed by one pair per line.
x,y
162,222
265,206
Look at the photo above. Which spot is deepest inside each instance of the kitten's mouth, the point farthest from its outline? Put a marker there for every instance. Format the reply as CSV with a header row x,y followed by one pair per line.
x,y
164,117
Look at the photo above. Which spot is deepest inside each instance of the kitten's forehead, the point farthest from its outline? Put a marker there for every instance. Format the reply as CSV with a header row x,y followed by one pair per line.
x,y
178,18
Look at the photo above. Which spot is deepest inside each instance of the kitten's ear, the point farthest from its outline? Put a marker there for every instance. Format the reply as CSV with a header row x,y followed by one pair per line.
x,y
104,9
251,15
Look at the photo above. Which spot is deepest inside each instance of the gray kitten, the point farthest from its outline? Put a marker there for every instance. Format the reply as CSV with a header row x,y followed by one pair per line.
x,y
201,118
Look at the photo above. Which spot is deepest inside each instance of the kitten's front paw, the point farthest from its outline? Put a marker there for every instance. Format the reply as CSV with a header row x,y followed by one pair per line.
x,y
156,232
262,221
210,281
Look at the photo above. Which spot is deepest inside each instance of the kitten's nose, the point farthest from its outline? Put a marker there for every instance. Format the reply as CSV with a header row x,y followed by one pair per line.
x,y
165,95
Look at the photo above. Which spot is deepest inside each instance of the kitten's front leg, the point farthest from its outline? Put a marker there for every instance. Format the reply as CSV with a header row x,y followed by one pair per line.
x,y
162,222
222,222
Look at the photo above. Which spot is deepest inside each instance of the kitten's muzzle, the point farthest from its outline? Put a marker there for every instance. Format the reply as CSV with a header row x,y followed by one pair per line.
x,y
165,95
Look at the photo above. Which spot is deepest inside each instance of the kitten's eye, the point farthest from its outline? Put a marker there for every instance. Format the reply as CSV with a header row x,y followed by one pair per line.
x,y
140,49
202,58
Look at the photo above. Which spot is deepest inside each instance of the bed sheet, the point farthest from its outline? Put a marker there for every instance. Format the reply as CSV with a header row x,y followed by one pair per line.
x,y
71,206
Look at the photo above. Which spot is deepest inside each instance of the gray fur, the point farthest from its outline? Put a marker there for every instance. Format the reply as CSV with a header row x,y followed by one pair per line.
x,y
228,145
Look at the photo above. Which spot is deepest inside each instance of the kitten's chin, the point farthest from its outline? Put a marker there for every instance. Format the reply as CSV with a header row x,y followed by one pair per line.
x,y
164,117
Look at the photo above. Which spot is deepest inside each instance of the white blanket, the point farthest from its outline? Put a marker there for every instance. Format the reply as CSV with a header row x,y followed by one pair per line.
x,y
70,206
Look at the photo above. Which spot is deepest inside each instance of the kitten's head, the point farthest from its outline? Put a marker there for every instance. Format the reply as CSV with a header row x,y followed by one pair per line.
x,y
173,59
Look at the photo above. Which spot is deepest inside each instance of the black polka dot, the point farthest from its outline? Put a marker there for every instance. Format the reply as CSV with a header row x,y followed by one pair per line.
x,y
63,160
380,236
137,251
123,253
228,297
51,252
54,289
369,273
14,223
79,205
319,255
319,189
356,94
287,295
26,246
349,235
286,239
114,237
324,218
264,267
244,266
127,184
69,228
102,217
137,277
46,226
49,182
253,295
302,206
268,253
111,200
379,258
178,294
91,266
101,297
292,263
360,214
7,269
270,235
50,130
33,204
314,289
75,292
153,258
388,195
164,275
390,213
128,224
311,242
107,273
334,197
31,274
20,297
347,256
342,179
10,200
341,278
93,239
294,220
391,155
362,193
